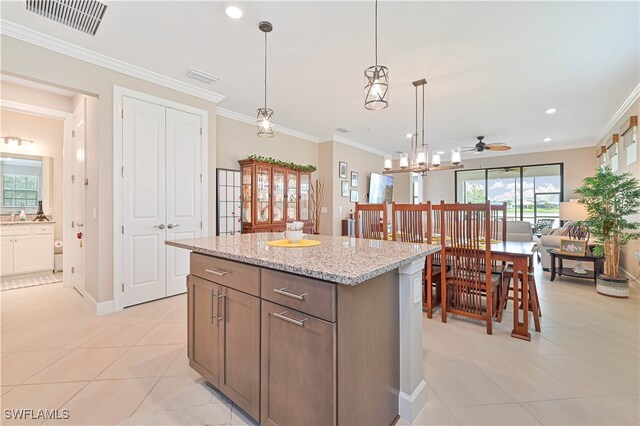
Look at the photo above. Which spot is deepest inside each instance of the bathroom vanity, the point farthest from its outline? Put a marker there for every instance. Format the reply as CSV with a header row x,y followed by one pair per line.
x,y
26,247
322,335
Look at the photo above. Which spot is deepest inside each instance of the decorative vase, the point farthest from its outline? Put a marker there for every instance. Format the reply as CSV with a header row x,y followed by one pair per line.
x,y
615,287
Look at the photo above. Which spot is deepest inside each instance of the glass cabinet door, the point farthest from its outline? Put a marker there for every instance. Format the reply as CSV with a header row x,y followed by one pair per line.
x,y
263,187
278,195
305,188
292,196
246,194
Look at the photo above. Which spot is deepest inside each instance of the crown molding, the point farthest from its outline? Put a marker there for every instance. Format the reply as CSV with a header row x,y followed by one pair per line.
x,y
633,96
359,145
227,113
28,35
34,109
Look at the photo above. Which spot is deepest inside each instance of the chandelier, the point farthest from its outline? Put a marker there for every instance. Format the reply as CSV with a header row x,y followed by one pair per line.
x,y
417,159
376,79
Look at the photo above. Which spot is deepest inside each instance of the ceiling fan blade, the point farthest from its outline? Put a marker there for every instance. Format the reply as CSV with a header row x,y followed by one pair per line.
x,y
467,149
496,147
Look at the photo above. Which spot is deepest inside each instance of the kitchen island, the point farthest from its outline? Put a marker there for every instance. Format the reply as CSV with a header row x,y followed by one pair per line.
x,y
330,334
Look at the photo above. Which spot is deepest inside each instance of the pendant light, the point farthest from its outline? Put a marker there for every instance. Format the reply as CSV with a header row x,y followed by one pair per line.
x,y
376,78
265,115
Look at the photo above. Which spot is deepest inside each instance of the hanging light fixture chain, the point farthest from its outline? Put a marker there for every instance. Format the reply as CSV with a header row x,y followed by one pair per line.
x,y
265,70
376,33
422,114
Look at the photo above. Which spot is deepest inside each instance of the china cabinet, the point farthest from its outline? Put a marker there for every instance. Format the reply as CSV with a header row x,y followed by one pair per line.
x,y
273,195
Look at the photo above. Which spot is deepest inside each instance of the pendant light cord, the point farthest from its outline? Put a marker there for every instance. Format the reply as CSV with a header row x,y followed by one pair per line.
x,y
423,115
376,36
265,70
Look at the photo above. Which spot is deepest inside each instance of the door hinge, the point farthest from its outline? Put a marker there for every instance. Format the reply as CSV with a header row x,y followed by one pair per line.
x,y
200,225
73,133
122,229
86,181
122,171
200,177
73,178
123,287
73,269
200,131
73,224
122,113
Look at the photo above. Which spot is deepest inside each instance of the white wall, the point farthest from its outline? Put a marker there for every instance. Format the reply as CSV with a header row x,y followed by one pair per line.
x,y
32,62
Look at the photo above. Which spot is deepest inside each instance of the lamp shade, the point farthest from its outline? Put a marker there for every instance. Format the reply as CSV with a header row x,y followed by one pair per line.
x,y
573,211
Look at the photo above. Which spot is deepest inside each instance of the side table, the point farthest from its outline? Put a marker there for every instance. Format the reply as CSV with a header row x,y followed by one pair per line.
x,y
598,265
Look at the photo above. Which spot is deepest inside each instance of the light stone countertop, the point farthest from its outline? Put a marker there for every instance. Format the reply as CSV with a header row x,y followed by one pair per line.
x,y
342,260
27,222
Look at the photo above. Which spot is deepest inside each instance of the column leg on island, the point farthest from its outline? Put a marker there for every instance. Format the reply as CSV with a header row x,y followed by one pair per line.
x,y
413,387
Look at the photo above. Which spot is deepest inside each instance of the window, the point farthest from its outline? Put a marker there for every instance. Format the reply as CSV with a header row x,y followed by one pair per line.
x,y
20,191
531,192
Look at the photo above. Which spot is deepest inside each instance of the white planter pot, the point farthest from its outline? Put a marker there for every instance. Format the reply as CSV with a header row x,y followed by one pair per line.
x,y
615,287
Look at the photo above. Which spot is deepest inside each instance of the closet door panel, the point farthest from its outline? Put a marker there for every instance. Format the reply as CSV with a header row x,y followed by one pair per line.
x,y
184,191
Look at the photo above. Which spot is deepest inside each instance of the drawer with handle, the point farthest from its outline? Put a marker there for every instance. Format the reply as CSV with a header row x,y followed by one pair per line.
x,y
307,295
235,275
42,229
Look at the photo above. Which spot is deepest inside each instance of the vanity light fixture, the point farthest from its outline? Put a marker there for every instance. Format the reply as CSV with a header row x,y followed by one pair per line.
x,y
265,115
376,78
16,142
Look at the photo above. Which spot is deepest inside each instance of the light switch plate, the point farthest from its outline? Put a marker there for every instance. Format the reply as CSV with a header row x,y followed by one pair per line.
x,y
417,290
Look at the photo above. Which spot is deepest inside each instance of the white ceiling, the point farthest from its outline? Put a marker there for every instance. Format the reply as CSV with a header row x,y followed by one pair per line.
x,y
493,67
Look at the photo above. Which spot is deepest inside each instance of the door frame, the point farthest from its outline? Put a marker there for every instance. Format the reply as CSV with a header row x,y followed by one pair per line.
x,y
67,118
118,242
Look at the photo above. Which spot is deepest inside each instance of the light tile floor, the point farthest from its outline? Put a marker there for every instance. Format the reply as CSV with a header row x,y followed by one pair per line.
x,y
131,367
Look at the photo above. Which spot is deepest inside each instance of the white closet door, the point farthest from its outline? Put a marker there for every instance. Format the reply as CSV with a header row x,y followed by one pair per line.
x,y
144,201
184,192
77,194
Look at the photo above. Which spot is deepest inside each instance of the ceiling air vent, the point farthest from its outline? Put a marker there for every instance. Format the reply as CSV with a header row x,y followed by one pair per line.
x,y
343,130
85,15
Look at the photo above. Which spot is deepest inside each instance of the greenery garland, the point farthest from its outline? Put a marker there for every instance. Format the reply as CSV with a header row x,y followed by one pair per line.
x,y
287,164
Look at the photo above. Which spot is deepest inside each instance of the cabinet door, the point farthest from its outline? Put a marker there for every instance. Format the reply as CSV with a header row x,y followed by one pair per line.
x,y
203,324
240,349
305,189
278,215
298,368
292,196
6,253
32,253
247,192
263,194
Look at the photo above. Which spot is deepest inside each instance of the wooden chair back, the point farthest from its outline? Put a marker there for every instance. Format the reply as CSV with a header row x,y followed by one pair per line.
x,y
469,279
411,223
499,222
371,221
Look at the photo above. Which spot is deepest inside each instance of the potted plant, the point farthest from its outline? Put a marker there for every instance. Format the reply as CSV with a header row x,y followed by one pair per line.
x,y
610,200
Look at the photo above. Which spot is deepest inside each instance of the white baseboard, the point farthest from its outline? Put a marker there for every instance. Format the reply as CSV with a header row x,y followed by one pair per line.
x,y
410,406
102,308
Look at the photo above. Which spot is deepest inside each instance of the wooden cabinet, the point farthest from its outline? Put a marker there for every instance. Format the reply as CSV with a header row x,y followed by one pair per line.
x,y
273,195
26,248
224,329
298,368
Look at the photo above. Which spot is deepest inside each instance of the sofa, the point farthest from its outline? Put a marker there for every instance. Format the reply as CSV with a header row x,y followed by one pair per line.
x,y
520,231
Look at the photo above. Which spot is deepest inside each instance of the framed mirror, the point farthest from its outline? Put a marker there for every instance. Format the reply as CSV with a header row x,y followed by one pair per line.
x,y
25,180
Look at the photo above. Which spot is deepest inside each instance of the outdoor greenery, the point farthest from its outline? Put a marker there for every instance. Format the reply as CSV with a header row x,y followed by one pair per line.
x,y
288,164
610,200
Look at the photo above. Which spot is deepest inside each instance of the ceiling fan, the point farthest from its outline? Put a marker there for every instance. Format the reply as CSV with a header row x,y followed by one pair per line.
x,y
482,146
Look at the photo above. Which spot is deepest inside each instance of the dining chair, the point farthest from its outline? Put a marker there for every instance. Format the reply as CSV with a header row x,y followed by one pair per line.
x,y
534,301
469,288
371,221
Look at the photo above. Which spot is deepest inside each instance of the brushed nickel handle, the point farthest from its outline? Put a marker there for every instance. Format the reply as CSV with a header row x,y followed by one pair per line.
x,y
282,316
218,272
221,296
283,291
161,226
213,317
171,226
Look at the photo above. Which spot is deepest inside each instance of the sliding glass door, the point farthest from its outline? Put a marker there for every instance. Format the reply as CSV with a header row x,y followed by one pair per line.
x,y
531,192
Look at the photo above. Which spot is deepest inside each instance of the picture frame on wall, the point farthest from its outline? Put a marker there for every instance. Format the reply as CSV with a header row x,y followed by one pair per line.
x,y
575,247
345,188
354,196
342,169
354,179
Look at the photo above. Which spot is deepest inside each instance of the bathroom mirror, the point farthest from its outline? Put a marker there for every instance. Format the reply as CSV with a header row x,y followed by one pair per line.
x,y
25,180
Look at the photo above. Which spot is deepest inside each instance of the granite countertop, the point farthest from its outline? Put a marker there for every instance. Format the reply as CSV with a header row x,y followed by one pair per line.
x,y
342,260
27,222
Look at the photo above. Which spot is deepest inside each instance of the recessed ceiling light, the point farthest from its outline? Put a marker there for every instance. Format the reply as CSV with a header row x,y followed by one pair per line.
x,y
234,12
547,139
409,135
551,111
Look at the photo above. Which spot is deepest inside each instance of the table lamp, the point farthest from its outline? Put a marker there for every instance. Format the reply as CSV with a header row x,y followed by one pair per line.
x,y
574,211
